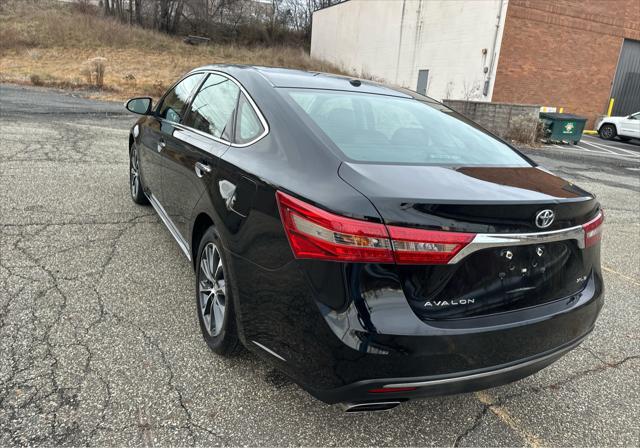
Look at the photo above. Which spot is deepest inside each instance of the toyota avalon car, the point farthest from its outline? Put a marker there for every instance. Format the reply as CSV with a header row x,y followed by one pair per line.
x,y
371,243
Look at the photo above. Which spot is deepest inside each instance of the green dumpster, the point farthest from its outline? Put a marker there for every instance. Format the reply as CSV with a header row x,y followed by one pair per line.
x,y
562,127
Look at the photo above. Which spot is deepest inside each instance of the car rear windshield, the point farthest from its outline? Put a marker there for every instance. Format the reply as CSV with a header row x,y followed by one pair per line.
x,y
387,129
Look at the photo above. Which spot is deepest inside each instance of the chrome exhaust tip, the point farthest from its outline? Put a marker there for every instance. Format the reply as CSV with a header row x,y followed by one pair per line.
x,y
372,406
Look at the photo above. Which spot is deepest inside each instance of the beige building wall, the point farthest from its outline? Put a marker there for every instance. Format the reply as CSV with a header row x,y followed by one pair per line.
x,y
392,40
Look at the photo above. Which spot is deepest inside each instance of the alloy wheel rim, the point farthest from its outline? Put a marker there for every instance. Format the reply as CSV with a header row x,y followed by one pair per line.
x,y
212,289
607,132
134,172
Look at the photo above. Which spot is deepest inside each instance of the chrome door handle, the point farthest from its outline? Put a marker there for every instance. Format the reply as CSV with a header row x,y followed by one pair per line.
x,y
161,145
201,169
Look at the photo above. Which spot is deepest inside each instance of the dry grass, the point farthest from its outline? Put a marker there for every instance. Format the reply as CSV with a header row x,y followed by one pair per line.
x,y
45,43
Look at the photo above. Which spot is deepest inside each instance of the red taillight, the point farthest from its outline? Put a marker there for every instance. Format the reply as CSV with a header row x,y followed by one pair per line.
x,y
593,230
387,390
316,233
416,246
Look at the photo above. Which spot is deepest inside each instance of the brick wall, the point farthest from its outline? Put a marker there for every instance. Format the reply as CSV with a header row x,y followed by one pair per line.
x,y
509,121
564,53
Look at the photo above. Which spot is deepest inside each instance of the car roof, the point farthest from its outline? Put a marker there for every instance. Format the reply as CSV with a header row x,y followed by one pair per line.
x,y
300,79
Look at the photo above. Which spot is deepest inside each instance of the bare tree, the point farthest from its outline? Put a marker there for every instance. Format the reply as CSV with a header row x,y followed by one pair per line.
x,y
257,20
471,90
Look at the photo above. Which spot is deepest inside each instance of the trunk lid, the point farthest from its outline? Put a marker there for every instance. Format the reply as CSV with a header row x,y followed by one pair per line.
x,y
483,200
474,199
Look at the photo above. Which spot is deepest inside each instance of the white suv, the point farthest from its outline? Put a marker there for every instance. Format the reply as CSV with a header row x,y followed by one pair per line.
x,y
624,127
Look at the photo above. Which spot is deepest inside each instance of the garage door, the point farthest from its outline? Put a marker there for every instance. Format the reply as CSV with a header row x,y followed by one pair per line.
x,y
626,84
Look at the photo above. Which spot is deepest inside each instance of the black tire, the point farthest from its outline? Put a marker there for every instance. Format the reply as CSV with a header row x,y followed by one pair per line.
x,y
607,131
624,139
221,339
135,180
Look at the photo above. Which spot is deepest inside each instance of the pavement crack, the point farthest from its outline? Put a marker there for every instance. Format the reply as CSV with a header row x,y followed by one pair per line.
x,y
571,378
476,423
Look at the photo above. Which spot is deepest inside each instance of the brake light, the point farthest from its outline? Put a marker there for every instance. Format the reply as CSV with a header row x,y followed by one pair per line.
x,y
416,246
593,230
316,233
387,390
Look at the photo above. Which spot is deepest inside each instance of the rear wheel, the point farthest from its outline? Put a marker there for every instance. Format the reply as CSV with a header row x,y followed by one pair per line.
x,y
214,302
607,131
135,182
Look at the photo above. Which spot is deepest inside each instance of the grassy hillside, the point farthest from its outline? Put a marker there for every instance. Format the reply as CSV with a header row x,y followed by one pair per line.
x,y
52,44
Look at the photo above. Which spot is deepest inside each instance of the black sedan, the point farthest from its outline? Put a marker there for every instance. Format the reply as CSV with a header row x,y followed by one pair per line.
x,y
371,243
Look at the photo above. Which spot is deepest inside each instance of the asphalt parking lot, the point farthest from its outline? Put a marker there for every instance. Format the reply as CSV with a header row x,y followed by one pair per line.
x,y
99,338
597,147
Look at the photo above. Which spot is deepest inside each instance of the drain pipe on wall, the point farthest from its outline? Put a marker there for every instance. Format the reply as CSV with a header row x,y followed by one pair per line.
x,y
487,82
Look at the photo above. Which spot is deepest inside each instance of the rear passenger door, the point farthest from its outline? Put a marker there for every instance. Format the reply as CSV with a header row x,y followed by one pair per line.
x,y
237,187
192,157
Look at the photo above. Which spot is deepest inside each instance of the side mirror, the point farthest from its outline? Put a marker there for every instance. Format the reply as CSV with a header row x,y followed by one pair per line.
x,y
141,105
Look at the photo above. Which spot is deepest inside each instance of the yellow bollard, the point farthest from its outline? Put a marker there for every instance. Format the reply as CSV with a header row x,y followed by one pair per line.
x,y
610,107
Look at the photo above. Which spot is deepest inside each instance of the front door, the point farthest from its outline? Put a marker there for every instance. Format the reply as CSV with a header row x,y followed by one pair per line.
x,y
192,154
150,159
630,126
160,130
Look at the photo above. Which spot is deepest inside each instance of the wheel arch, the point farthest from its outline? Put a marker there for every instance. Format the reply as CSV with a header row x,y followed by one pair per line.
x,y
200,225
607,122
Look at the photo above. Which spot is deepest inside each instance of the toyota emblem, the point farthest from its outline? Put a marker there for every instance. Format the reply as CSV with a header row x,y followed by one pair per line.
x,y
545,218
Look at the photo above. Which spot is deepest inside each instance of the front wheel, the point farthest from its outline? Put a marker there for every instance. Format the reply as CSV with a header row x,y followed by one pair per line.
x,y
214,301
607,131
135,182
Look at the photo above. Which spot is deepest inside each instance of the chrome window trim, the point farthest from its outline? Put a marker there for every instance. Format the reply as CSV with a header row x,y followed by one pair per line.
x,y
156,110
170,225
254,106
492,240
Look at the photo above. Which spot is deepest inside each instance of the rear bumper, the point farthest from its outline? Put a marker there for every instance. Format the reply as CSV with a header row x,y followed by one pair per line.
x,y
337,341
428,386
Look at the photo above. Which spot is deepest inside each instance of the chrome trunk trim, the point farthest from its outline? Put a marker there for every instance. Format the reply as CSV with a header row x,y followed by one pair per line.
x,y
492,240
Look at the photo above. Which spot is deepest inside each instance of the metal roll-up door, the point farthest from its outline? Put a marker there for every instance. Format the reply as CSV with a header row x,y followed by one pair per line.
x,y
626,84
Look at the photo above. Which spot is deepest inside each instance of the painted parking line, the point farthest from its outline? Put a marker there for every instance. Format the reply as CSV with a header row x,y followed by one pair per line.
x,y
608,143
615,143
617,148
596,150
505,416
575,148
593,152
598,147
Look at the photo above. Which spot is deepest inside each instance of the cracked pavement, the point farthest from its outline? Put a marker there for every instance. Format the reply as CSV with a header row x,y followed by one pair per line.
x,y
100,343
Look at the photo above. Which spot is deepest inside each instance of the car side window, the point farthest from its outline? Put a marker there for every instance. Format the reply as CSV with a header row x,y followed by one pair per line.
x,y
174,101
213,106
248,126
